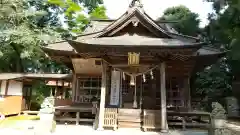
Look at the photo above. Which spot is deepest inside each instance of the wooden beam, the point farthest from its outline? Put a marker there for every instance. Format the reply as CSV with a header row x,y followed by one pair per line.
x,y
151,61
164,125
103,96
120,28
74,83
77,118
107,59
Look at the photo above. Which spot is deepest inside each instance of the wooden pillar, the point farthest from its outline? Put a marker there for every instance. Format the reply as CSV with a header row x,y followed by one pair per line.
x,y
51,92
7,86
74,87
77,118
121,87
141,93
108,85
164,125
135,94
103,95
56,90
62,90
187,93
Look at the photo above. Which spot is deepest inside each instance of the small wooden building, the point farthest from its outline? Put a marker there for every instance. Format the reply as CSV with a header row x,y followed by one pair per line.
x,y
138,68
61,90
16,90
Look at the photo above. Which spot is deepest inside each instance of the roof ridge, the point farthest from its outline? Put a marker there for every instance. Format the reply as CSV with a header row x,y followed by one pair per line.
x,y
112,20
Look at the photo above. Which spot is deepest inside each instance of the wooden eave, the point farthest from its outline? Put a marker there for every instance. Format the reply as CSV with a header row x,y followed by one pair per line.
x,y
66,60
61,48
84,48
136,42
54,52
209,51
206,59
32,76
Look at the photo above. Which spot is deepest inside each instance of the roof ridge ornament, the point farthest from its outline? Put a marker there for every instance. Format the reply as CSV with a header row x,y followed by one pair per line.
x,y
136,3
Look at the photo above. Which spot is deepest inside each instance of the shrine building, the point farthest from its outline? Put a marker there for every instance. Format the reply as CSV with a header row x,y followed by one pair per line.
x,y
137,68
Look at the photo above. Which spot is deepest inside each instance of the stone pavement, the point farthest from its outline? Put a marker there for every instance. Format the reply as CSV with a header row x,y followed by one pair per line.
x,y
88,130
10,131
233,127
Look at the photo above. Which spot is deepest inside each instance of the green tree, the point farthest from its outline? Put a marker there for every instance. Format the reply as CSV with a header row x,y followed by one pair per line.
x,y
187,21
222,31
224,28
91,4
25,26
98,13
18,37
213,84
74,13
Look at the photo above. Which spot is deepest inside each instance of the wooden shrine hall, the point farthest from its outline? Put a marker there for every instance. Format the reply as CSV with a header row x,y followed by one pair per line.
x,y
137,68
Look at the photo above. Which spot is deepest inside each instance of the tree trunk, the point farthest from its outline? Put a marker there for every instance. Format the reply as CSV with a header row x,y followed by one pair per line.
x,y
19,64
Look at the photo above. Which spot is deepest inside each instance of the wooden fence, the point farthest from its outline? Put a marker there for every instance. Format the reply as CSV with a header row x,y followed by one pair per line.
x,y
151,119
110,118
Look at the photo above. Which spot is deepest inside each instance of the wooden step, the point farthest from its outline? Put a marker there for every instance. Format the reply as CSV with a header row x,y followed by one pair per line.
x,y
130,116
129,124
131,112
129,119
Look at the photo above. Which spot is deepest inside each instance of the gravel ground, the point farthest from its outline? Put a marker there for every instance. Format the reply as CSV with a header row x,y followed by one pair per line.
x,y
87,130
76,130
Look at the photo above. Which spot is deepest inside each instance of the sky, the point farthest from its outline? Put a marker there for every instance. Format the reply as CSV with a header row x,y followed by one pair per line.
x,y
155,8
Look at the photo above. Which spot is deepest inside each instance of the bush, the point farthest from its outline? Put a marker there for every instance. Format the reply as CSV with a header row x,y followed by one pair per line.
x,y
35,106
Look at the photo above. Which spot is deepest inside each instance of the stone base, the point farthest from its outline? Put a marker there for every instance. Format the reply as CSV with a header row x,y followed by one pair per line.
x,y
100,129
219,123
164,130
46,117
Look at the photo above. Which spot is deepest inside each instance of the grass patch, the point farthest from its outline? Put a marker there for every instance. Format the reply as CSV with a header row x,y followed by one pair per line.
x,y
22,121
15,120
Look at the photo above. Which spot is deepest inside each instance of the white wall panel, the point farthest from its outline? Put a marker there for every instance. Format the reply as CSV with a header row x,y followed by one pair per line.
x,y
15,88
